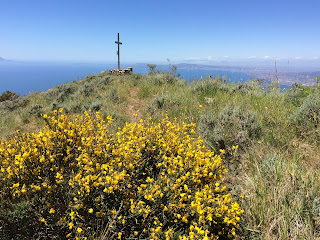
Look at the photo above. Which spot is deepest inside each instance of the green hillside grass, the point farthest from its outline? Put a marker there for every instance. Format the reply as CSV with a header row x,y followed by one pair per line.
x,y
271,139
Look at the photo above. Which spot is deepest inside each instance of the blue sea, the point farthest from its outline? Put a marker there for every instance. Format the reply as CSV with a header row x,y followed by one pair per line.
x,y
24,78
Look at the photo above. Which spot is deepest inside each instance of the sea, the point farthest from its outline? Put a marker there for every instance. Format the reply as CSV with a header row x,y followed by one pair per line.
x,y
25,78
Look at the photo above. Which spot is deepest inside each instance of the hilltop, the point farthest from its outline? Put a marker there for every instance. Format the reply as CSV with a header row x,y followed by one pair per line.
x,y
270,138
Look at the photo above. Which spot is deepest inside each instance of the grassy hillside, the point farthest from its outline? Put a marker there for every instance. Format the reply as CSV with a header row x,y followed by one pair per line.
x,y
271,139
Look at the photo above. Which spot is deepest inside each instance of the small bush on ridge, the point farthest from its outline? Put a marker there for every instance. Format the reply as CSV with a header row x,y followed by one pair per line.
x,y
15,103
7,95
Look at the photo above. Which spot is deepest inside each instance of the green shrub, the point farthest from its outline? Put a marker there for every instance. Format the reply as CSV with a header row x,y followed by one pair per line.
x,y
152,68
103,82
15,103
297,94
61,93
77,107
136,76
164,78
306,118
36,110
113,95
144,91
169,78
96,106
210,85
8,96
86,90
316,207
158,101
90,77
271,166
165,101
156,79
55,106
233,126
249,87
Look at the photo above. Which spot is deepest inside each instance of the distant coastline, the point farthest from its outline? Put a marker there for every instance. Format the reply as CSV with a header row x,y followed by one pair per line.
x,y
24,78
285,77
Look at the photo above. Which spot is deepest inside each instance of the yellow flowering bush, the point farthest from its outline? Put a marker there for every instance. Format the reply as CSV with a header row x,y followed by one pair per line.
x,y
149,180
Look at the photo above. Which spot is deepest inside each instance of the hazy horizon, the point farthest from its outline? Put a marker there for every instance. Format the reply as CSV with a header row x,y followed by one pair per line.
x,y
281,64
204,32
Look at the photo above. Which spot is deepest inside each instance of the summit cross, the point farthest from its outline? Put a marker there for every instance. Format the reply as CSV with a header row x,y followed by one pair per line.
x,y
118,52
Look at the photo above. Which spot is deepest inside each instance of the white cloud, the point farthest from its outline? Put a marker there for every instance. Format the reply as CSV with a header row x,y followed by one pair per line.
x,y
193,58
252,57
226,56
298,58
281,58
209,58
266,57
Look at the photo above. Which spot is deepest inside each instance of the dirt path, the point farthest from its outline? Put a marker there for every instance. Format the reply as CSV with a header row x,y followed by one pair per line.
x,y
135,105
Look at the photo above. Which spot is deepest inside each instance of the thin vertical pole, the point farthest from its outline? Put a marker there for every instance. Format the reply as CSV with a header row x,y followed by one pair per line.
x,y
118,52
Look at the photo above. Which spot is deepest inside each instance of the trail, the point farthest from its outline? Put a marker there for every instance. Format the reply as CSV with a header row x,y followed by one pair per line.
x,y
134,105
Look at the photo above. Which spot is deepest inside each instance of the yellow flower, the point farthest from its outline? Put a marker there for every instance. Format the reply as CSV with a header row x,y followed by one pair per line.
x,y
87,161
70,225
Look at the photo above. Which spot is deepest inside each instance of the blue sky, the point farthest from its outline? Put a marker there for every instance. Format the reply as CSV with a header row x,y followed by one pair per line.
x,y
152,31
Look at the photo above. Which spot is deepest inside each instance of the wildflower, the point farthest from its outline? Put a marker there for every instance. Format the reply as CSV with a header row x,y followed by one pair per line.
x,y
80,160
71,225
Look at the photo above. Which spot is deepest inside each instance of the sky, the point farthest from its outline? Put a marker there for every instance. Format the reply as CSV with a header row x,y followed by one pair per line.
x,y
153,31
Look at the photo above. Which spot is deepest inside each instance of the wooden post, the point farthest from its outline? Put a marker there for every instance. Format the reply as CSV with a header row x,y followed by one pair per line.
x,y
119,43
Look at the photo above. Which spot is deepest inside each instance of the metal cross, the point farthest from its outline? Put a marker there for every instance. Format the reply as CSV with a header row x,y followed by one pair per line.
x,y
119,43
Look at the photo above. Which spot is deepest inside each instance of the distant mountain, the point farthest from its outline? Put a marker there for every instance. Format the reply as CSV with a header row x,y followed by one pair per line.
x,y
4,61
